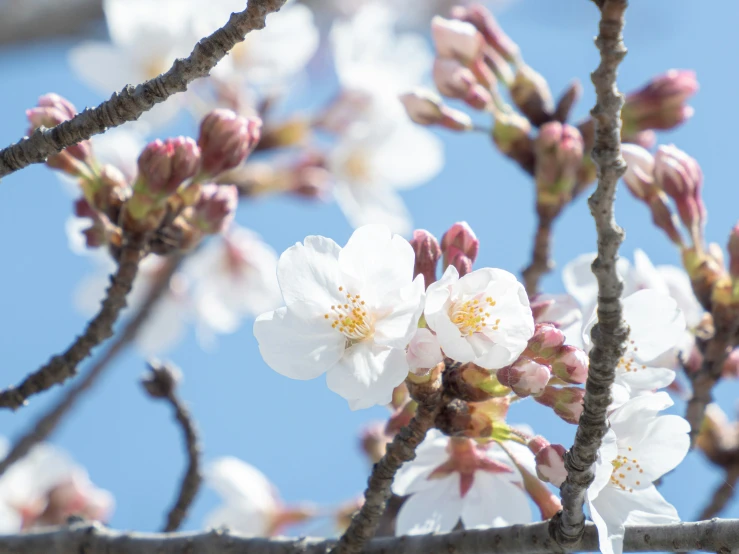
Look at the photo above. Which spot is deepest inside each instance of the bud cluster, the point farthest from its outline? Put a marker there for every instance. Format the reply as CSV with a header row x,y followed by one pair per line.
x,y
459,248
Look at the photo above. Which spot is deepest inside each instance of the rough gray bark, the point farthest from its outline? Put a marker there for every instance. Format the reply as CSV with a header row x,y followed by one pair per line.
x,y
132,102
708,536
610,333
63,366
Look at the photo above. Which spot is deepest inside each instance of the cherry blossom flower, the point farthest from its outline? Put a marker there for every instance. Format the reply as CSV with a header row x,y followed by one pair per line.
x,y
639,448
251,504
483,317
350,313
457,478
424,351
45,488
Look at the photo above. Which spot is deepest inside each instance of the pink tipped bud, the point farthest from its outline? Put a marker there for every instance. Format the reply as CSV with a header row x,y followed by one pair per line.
x,y
460,245
545,343
571,365
215,209
639,176
733,249
485,23
525,376
456,81
512,136
559,152
663,217
530,92
456,39
427,253
550,464
226,139
660,104
165,165
50,111
565,401
681,178
426,108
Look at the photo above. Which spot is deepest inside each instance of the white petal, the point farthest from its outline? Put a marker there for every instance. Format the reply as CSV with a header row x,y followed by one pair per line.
x,y
646,275
663,446
437,294
103,67
603,467
646,379
484,504
434,510
632,416
367,203
367,374
430,454
164,328
580,282
405,307
679,287
297,349
424,351
310,278
240,483
656,324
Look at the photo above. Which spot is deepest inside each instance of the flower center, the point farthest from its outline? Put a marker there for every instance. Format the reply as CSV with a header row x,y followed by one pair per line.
x,y
352,318
357,167
471,316
628,363
626,472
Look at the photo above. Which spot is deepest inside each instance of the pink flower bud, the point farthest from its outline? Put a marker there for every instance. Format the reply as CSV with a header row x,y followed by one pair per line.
x,y
460,246
226,139
427,253
456,39
550,464
511,134
426,108
545,343
488,27
681,178
50,111
559,152
164,166
530,92
663,217
565,401
571,365
456,81
640,170
525,376
660,104
424,352
540,305
216,207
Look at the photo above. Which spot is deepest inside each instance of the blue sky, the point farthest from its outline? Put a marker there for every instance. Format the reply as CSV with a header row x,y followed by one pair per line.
x,y
298,433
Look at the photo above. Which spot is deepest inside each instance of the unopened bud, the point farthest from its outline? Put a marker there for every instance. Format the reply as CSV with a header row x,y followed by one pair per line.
x,y
456,39
456,81
639,176
559,152
664,218
50,111
705,273
567,101
550,464
545,343
660,104
226,139
215,209
475,419
512,136
459,242
565,401
162,380
530,92
472,383
681,178
423,352
165,165
571,365
733,249
485,23
428,252
427,108
525,376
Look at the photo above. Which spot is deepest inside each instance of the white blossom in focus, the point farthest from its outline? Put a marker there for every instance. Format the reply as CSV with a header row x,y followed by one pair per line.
x,y
639,448
456,478
483,317
350,313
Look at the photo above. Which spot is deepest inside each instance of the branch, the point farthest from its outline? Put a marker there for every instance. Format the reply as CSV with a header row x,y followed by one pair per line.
x,y
48,423
402,449
610,333
710,536
541,256
63,366
132,102
162,383
721,495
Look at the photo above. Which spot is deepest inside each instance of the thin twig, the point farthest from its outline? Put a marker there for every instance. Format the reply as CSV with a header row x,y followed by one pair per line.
x,y
63,366
610,333
48,423
402,449
132,102
541,256
162,383
722,495
709,536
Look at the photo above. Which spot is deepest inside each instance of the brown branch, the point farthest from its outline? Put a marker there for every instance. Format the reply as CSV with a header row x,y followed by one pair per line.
x,y
541,256
162,383
49,422
402,449
610,333
63,366
709,536
132,102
